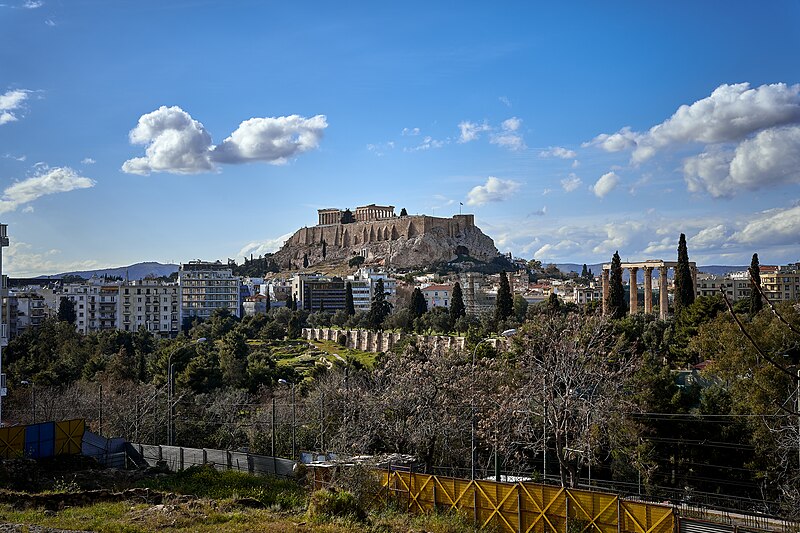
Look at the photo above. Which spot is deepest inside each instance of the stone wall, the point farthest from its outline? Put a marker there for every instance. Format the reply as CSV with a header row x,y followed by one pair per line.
x,y
383,341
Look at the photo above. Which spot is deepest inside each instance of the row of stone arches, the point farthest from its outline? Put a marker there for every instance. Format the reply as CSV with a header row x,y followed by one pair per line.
x,y
370,234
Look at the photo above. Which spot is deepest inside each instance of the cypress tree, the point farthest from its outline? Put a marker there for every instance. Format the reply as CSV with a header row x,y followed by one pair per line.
x,y
268,302
684,287
403,212
324,249
418,306
349,306
66,310
380,308
616,292
457,308
584,272
305,260
504,307
756,303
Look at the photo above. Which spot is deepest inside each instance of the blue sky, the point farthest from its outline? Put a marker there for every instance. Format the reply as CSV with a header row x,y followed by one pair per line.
x,y
171,131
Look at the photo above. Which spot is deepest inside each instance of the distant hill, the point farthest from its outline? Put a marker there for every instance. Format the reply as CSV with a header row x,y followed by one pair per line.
x,y
132,272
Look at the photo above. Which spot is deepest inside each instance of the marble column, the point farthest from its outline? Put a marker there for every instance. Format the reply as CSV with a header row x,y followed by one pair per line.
x,y
604,278
663,292
648,290
634,296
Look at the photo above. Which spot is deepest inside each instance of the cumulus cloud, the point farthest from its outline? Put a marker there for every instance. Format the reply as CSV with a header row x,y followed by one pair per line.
x,y
10,102
471,131
175,143
508,137
410,132
607,183
773,227
730,114
770,158
264,247
32,4
558,151
274,140
495,190
179,144
571,183
45,181
614,142
88,161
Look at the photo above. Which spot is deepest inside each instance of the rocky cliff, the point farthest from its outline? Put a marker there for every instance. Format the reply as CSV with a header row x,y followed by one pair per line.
x,y
400,242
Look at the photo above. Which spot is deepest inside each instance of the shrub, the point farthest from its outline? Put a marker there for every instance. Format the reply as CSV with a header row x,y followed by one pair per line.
x,y
333,503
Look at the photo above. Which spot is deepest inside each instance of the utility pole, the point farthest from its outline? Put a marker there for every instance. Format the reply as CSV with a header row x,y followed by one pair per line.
x,y
3,315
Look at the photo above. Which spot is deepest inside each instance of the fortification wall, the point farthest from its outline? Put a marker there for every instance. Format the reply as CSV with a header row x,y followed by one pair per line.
x,y
384,341
359,233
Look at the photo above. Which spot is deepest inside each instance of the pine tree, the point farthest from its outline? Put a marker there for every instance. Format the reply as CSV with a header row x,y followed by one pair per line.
x,y
403,212
457,308
349,307
756,303
684,286
616,292
417,305
504,306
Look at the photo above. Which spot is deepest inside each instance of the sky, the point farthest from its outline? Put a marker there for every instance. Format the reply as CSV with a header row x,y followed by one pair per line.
x,y
168,131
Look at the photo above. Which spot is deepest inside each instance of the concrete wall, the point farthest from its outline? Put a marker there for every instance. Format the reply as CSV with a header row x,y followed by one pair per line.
x,y
178,458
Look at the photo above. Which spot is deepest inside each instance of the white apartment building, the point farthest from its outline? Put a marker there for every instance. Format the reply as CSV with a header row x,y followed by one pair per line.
x,y
437,295
205,287
150,304
363,283
93,303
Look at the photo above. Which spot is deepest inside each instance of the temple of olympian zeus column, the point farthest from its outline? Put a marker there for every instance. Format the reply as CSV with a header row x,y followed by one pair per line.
x,y
647,267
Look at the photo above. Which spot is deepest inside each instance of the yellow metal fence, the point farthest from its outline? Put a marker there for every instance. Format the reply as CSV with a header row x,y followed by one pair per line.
x,y
527,507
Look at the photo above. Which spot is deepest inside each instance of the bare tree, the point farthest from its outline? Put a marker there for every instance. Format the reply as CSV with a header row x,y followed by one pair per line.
x,y
568,379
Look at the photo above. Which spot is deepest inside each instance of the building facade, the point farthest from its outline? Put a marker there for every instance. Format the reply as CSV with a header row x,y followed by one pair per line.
x,y
204,287
150,304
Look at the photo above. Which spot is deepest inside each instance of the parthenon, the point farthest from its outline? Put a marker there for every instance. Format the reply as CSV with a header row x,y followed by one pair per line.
x,y
364,213
647,267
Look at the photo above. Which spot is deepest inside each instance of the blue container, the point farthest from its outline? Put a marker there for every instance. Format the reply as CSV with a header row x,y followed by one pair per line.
x,y
39,440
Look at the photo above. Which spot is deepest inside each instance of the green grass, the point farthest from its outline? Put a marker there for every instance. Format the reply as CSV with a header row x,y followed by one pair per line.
x,y
206,482
330,348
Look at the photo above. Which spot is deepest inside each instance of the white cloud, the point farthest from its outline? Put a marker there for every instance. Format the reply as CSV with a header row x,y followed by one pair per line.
x,y
769,159
571,183
558,151
711,237
175,143
46,181
427,143
21,260
179,144
410,132
88,161
273,140
772,227
263,247
508,137
9,103
505,101
614,142
471,131
539,212
50,22
32,4
495,190
20,158
731,113
27,209
576,164
607,183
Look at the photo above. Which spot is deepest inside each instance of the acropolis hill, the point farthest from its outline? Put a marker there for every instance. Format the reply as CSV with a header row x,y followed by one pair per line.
x,y
379,235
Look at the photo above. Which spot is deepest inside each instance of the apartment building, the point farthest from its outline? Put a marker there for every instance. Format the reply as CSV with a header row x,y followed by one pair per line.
x,y
437,295
146,303
363,283
204,287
